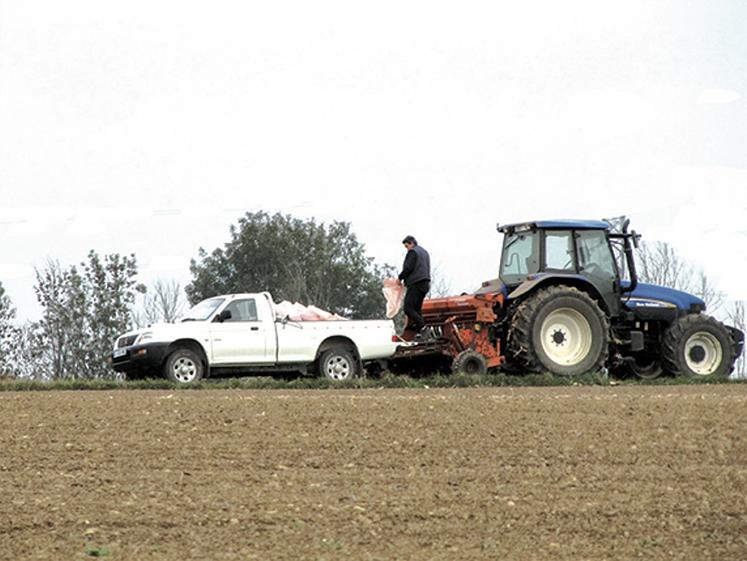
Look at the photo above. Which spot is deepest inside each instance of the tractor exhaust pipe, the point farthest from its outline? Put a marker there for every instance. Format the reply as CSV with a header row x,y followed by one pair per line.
x,y
629,257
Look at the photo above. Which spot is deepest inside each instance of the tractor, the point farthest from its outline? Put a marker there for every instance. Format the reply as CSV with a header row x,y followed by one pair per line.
x,y
561,305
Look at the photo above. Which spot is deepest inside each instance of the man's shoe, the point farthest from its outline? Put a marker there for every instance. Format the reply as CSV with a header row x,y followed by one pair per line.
x,y
407,336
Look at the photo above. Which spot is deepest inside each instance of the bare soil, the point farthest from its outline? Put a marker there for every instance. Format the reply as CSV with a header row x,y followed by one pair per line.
x,y
522,474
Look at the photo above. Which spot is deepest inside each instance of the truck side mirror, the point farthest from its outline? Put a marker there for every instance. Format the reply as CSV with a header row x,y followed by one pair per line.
x,y
223,316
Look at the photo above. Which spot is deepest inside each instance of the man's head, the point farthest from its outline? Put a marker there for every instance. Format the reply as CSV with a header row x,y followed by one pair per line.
x,y
410,242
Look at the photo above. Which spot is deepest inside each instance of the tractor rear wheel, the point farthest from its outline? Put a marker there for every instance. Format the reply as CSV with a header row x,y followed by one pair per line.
x,y
560,330
698,346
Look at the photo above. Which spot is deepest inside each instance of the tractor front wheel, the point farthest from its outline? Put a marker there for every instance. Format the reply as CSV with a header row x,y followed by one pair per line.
x,y
698,346
560,330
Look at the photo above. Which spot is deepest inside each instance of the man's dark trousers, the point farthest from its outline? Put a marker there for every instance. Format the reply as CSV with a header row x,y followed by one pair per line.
x,y
414,304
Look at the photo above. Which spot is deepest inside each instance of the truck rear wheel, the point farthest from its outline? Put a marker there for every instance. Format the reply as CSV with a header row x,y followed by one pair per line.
x,y
698,346
560,330
184,366
338,363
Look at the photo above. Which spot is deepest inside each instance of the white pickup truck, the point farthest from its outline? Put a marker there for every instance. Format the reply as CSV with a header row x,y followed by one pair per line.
x,y
242,332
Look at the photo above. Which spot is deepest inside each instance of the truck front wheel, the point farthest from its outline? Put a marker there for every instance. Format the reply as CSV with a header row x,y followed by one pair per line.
x,y
184,366
338,364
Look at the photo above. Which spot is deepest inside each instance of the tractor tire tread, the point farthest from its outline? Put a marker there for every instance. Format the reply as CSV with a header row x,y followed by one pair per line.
x,y
677,332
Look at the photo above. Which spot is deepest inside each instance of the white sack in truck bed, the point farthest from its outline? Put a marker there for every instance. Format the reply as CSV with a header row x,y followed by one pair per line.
x,y
394,293
299,312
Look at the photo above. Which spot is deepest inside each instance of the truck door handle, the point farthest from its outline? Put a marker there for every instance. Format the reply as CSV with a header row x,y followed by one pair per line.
x,y
255,328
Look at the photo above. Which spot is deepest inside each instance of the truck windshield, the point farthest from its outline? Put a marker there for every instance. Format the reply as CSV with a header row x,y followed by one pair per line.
x,y
203,310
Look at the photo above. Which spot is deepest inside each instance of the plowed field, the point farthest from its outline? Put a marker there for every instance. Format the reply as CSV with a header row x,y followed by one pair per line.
x,y
537,473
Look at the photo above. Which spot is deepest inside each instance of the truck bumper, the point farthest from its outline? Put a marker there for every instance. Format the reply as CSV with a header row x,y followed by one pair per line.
x,y
140,359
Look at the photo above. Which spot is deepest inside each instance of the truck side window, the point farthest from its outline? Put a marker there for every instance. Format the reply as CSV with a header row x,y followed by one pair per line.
x,y
242,310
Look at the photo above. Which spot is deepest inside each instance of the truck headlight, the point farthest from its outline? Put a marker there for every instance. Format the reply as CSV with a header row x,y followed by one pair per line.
x,y
147,336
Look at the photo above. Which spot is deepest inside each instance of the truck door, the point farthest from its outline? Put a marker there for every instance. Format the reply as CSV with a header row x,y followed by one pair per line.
x,y
242,338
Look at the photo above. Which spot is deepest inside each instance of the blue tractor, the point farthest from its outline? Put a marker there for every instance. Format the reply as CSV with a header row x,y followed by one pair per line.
x,y
569,311
562,305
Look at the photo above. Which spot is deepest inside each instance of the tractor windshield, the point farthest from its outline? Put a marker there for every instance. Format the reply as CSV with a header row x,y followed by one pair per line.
x,y
520,257
595,256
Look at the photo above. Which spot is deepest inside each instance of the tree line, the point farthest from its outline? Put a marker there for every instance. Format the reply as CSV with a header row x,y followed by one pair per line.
x,y
86,306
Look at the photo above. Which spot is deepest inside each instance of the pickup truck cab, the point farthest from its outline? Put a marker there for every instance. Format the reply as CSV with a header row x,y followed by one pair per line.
x,y
242,332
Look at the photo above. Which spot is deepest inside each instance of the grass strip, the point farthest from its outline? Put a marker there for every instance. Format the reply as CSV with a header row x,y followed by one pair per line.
x,y
385,381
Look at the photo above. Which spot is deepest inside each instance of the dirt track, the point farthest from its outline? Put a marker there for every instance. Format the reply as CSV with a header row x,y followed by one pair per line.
x,y
538,473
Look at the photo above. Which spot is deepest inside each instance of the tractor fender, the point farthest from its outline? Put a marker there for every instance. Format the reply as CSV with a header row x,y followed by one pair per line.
x,y
542,280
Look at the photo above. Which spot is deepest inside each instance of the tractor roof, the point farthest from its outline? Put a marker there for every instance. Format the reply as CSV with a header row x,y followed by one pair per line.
x,y
555,225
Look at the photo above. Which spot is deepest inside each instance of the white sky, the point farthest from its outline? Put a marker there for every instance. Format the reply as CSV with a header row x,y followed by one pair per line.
x,y
150,127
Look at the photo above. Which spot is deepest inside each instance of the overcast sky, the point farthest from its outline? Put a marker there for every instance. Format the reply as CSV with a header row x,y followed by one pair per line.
x,y
150,127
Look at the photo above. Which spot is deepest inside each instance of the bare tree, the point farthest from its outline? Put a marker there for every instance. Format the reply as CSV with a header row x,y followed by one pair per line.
x,y
658,263
703,289
440,286
164,301
738,317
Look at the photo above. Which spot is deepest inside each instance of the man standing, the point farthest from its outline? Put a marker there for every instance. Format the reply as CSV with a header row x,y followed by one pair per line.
x,y
416,276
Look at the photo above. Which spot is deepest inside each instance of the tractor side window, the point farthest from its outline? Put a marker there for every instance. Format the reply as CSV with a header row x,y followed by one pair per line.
x,y
595,255
242,310
519,256
559,251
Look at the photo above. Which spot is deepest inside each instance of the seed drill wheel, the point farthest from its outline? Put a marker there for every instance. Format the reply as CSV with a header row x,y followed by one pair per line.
x,y
646,367
698,346
469,362
560,330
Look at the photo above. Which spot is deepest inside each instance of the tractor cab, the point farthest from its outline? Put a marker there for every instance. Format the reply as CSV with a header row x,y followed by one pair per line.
x,y
574,252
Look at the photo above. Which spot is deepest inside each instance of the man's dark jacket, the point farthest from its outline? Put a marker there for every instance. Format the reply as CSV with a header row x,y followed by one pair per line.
x,y
417,266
